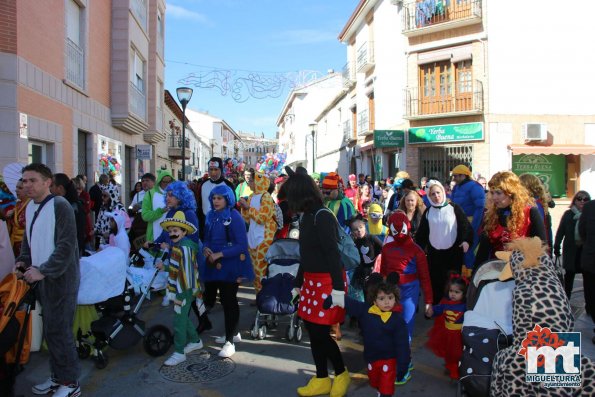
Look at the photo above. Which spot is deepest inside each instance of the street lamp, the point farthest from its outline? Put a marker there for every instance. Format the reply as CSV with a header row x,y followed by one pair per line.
x,y
313,125
184,95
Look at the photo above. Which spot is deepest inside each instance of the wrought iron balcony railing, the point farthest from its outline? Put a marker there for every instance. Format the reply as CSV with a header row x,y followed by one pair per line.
x,y
432,15
461,97
365,56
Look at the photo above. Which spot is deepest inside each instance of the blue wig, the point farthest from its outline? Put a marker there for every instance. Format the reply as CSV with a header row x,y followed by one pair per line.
x,y
179,190
230,200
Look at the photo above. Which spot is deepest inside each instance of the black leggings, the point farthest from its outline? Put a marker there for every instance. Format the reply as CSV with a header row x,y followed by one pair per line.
x,y
228,293
589,291
324,348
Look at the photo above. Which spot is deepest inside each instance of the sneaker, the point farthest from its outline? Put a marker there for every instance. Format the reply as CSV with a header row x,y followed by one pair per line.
x,y
165,301
175,359
221,339
404,380
190,347
72,390
227,350
46,387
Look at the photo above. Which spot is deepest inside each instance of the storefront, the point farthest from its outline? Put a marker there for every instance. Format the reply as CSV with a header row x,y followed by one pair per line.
x,y
560,167
442,147
109,158
388,150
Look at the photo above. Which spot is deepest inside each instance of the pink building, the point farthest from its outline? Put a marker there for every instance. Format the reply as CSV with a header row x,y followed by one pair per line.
x,y
81,84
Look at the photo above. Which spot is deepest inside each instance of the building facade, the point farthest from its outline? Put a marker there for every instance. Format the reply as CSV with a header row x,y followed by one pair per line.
x,y
492,90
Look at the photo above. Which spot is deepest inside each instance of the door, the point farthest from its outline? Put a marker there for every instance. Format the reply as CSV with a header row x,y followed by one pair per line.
x,y
435,88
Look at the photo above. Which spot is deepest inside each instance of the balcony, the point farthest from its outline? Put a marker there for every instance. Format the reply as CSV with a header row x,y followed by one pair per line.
x,y
138,102
75,64
460,99
430,16
348,75
174,147
347,131
363,123
365,57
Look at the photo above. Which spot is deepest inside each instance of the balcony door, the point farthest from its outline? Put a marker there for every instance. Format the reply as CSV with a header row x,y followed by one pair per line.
x,y
436,88
464,86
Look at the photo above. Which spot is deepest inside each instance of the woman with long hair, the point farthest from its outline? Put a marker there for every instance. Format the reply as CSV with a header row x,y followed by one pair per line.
x,y
568,236
539,192
63,186
413,206
364,198
510,213
320,275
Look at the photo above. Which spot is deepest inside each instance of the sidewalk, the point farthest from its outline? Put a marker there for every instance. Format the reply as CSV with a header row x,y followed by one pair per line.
x,y
583,322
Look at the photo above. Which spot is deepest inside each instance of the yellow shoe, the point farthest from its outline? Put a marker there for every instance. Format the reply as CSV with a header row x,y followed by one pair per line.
x,y
341,384
315,387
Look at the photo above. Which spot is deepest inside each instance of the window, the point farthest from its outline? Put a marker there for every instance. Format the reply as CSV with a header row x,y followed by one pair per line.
x,y
37,152
75,54
137,69
159,106
446,87
160,34
139,10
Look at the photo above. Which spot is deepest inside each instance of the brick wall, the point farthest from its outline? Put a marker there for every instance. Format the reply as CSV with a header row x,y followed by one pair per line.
x,y
8,26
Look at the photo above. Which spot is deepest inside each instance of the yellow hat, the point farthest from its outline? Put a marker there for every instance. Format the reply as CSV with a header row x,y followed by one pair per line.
x,y
461,170
179,220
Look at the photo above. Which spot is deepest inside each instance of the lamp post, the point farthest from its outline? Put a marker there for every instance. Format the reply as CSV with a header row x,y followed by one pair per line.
x,y
313,125
184,95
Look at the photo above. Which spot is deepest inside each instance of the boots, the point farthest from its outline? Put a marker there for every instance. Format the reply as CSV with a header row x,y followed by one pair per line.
x,y
204,324
340,384
315,387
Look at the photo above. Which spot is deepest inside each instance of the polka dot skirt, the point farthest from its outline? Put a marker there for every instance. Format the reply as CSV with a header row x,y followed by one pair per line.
x,y
315,290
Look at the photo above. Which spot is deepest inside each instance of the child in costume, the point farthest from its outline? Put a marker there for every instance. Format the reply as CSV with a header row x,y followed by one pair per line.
x,y
183,286
374,227
403,256
445,336
117,237
386,339
369,248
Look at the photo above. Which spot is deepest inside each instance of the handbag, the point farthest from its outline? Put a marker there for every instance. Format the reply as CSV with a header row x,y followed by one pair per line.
x,y
348,252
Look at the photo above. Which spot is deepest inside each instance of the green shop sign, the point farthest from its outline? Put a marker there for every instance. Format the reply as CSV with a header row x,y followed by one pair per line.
x,y
446,133
389,138
549,168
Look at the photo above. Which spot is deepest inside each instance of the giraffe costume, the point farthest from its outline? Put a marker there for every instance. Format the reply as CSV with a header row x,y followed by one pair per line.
x,y
261,217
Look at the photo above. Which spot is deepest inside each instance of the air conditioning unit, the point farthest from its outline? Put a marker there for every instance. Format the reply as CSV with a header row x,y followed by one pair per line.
x,y
534,132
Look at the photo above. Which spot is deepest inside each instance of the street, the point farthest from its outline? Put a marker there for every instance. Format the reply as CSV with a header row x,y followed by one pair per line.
x,y
260,368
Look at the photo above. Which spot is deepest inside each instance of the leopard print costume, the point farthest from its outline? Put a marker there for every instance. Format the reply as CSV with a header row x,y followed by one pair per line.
x,y
538,298
264,216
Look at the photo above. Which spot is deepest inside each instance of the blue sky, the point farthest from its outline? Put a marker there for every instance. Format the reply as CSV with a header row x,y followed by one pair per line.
x,y
239,41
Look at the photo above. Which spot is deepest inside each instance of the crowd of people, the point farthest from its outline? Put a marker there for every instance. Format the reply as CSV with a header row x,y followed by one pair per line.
x,y
412,241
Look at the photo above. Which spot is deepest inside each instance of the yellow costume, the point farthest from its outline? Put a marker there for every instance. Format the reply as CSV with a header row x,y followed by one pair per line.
x,y
262,225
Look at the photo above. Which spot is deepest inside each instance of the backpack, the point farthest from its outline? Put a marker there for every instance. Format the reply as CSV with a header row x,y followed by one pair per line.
x,y
348,252
278,216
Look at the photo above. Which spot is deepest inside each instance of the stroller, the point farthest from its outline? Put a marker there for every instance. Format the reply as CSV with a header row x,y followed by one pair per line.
x,y
120,328
274,299
15,329
487,327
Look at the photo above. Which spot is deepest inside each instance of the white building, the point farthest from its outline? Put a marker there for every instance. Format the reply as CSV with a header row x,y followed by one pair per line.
x,y
297,120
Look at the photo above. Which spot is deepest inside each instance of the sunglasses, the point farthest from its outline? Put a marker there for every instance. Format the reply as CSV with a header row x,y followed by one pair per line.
x,y
585,199
326,192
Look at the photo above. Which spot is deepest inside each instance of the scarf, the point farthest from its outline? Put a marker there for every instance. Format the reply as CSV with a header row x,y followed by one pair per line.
x,y
384,316
577,214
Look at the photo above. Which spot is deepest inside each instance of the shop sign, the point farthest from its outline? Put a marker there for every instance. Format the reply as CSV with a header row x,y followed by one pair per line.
x,y
550,169
389,138
447,133
144,152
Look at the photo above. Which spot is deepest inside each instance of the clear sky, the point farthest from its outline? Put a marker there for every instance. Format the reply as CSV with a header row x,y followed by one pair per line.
x,y
242,57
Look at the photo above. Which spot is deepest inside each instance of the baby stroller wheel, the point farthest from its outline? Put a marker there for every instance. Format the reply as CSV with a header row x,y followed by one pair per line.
x,y
83,350
299,333
101,360
262,332
158,340
290,333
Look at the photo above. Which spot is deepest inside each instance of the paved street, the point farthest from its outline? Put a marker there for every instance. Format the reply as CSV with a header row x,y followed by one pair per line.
x,y
260,368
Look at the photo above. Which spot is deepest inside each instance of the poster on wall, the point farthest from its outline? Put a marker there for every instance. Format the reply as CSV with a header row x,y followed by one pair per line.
x,y
109,157
551,169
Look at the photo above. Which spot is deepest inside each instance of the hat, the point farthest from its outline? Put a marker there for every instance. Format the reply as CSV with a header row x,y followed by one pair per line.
x,y
352,177
179,220
331,181
461,170
216,162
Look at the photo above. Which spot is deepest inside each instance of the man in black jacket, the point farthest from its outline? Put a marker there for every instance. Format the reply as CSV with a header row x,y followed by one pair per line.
x,y
95,194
